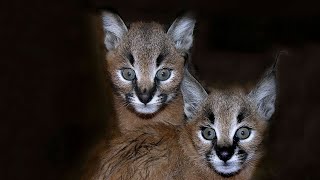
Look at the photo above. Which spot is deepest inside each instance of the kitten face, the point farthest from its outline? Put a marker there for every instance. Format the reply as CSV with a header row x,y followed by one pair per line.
x,y
145,62
226,128
146,69
227,132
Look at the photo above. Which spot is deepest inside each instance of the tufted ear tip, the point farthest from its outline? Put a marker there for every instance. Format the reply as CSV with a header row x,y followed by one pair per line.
x,y
278,54
265,93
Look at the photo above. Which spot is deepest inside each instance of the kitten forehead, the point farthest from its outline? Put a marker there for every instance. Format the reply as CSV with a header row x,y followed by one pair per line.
x,y
225,101
146,37
227,105
146,41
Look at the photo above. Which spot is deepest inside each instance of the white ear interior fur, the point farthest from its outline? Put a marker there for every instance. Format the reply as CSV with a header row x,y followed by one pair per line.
x,y
114,28
264,95
181,32
193,94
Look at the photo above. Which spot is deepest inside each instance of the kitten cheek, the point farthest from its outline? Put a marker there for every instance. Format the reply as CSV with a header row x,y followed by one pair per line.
x,y
169,88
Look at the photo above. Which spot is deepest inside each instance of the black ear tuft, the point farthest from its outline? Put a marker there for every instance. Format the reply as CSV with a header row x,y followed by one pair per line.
x,y
265,92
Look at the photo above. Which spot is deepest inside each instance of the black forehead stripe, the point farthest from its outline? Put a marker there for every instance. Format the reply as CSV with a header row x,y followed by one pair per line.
x,y
211,117
162,56
240,118
241,115
159,60
131,59
209,114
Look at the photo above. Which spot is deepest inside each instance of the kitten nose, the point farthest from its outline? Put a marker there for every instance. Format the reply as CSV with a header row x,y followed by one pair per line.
x,y
225,153
145,95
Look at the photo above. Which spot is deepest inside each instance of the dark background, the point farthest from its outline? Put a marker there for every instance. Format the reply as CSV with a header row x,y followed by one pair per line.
x,y
55,102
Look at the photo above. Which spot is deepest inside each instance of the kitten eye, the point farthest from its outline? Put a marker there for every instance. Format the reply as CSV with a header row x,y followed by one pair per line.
x,y
128,74
243,133
208,133
163,74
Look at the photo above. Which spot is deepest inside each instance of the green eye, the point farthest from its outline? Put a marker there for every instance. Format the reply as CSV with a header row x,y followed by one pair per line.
x,y
208,133
163,74
243,133
128,74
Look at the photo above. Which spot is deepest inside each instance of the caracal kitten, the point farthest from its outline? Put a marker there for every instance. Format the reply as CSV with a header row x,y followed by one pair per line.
x,y
146,64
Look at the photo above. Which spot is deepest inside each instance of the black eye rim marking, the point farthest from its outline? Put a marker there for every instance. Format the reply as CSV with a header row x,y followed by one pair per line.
x,y
236,138
122,73
203,128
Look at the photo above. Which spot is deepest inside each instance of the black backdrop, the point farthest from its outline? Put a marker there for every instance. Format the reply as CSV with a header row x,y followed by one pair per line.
x,y
55,102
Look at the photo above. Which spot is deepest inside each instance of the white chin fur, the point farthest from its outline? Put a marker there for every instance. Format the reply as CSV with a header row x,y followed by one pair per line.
x,y
232,166
227,169
146,109
151,107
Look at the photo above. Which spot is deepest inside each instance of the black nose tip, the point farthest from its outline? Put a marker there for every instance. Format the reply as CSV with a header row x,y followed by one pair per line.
x,y
145,94
144,90
145,97
225,153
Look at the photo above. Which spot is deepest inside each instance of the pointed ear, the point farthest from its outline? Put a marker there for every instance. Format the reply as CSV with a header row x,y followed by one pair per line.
x,y
193,94
114,28
181,32
264,94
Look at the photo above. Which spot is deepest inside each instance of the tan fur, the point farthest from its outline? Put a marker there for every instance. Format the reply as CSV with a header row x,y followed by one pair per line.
x,y
162,151
146,41
170,114
223,104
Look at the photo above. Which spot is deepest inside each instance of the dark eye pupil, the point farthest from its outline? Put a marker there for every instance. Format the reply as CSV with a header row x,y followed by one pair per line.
x,y
163,74
129,74
243,133
209,133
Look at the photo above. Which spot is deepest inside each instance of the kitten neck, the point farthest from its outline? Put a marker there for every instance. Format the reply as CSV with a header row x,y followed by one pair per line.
x,y
128,119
